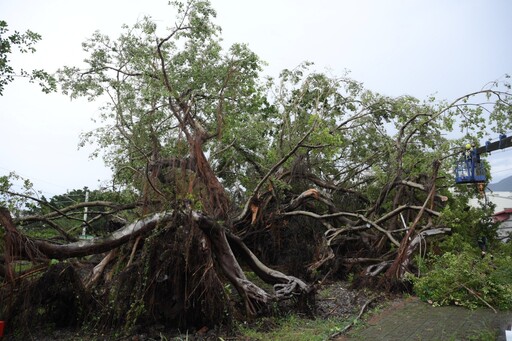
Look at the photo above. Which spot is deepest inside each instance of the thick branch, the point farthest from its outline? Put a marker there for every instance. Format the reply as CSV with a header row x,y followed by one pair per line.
x,y
399,209
272,171
100,245
265,273
349,214
420,186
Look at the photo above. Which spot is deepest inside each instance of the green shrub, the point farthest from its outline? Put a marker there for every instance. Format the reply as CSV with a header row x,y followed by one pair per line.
x,y
467,280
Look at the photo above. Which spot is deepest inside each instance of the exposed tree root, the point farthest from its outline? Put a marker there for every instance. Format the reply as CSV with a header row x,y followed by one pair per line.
x,y
176,278
98,269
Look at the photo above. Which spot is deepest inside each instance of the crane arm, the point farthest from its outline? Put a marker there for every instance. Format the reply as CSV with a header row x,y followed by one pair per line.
x,y
502,143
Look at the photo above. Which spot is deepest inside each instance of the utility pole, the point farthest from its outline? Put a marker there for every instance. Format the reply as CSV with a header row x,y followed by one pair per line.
x,y
84,225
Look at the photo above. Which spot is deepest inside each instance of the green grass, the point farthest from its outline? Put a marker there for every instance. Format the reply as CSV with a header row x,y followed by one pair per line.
x,y
40,232
328,292
292,328
20,266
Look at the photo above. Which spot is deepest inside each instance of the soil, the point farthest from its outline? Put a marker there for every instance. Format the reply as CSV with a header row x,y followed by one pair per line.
x,y
337,299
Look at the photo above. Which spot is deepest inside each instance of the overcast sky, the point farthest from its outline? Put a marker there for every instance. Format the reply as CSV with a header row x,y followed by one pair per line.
x,y
419,48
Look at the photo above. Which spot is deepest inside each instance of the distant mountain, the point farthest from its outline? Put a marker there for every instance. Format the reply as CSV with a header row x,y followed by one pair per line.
x,y
505,185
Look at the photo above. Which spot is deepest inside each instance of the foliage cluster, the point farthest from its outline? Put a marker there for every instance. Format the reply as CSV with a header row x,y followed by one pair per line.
x,y
25,44
467,223
462,277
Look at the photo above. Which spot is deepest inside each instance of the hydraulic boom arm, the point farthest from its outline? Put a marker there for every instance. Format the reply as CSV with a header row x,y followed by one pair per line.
x,y
502,143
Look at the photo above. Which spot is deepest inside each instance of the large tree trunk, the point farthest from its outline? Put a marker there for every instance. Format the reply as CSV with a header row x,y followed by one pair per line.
x,y
216,203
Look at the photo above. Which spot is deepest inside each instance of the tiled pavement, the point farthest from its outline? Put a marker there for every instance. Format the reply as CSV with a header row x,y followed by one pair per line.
x,y
416,320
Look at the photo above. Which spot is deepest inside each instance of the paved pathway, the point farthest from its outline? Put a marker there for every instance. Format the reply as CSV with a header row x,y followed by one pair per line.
x,y
415,320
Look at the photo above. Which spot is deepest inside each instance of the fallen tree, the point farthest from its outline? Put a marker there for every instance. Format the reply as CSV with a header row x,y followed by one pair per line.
x,y
223,184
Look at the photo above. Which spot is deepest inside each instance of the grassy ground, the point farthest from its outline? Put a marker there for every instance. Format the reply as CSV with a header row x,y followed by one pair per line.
x,y
337,307
293,328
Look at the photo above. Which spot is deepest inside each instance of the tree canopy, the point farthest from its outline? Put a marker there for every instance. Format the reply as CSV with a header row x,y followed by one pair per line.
x,y
24,42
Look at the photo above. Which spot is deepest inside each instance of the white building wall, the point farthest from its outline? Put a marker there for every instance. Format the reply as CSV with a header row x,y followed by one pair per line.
x,y
502,200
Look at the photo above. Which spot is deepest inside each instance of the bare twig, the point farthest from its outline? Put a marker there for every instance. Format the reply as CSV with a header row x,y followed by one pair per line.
x,y
472,292
351,324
